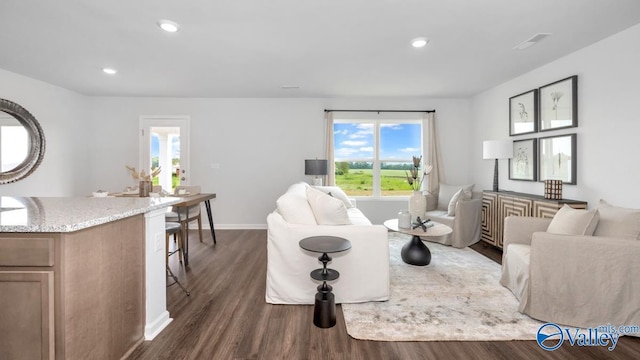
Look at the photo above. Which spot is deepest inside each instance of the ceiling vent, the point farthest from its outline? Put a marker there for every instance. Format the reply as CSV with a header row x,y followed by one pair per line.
x,y
531,41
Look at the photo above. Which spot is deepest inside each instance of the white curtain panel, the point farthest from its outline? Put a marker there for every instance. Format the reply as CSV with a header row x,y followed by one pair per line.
x,y
331,166
433,155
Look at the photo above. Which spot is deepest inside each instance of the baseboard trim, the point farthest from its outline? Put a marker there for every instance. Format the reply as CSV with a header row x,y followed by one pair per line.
x,y
205,225
240,226
152,329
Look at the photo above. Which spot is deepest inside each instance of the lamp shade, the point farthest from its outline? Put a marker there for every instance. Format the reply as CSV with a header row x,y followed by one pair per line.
x,y
315,167
497,149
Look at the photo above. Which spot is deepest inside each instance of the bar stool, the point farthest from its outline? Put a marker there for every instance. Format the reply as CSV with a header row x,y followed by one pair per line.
x,y
173,228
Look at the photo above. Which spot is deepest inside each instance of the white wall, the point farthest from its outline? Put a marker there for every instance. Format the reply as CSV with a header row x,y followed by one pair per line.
x,y
62,116
260,145
608,123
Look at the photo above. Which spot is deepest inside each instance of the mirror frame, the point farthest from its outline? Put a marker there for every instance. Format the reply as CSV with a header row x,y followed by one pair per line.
x,y
36,142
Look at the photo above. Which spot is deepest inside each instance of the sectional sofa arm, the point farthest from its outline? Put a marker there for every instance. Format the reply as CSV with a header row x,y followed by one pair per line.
x,y
519,229
469,210
584,280
468,219
597,248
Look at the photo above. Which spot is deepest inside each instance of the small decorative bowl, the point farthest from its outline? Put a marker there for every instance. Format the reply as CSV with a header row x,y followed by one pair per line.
x,y
100,193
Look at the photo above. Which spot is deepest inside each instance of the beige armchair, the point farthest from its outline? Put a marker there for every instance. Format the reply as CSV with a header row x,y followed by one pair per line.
x,y
575,280
465,220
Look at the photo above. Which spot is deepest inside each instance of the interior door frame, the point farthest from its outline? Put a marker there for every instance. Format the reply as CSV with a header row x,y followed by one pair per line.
x,y
182,121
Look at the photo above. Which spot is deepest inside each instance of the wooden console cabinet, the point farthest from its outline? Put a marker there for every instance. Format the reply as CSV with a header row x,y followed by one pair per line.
x,y
75,295
498,205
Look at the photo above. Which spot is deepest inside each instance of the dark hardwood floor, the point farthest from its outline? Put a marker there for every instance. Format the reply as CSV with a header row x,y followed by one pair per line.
x,y
226,317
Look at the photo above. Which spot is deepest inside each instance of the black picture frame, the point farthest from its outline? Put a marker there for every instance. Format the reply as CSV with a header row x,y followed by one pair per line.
x,y
557,158
558,105
523,113
524,164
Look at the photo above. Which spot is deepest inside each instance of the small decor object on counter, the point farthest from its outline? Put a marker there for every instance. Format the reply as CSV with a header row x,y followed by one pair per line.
x,y
100,193
141,175
417,201
145,185
404,219
144,188
553,189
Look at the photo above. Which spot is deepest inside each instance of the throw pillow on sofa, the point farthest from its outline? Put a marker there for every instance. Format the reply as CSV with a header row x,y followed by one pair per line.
x,y
327,209
617,221
337,193
447,192
570,221
461,194
294,207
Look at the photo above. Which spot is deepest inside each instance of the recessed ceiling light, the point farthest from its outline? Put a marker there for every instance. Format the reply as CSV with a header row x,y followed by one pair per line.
x,y
419,42
109,71
168,26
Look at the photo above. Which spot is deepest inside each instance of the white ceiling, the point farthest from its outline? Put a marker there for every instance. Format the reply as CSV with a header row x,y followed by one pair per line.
x,y
329,48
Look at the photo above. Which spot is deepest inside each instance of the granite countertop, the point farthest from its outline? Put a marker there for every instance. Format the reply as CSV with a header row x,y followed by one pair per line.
x,y
68,214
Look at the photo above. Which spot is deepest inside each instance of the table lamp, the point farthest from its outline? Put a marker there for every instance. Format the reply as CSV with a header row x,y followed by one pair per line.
x,y
497,149
316,167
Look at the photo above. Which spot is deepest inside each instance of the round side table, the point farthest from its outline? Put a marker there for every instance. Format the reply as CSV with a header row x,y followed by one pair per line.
x,y
324,312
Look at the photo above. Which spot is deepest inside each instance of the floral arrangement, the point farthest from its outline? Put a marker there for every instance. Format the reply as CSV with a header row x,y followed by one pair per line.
x,y
141,175
413,178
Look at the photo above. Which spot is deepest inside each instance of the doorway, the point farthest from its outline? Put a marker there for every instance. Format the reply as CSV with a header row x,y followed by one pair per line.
x,y
165,143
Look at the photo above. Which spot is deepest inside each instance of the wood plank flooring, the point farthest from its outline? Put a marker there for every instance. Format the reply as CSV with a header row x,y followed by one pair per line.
x,y
226,317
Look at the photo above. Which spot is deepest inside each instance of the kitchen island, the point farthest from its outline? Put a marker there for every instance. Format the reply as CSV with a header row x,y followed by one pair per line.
x,y
81,278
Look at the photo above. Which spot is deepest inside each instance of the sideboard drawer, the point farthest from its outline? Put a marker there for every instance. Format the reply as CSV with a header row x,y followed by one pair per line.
x,y
26,251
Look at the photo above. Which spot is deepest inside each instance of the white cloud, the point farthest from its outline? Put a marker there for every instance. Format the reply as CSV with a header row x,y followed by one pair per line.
x,y
392,126
364,131
344,152
366,127
410,150
367,149
353,143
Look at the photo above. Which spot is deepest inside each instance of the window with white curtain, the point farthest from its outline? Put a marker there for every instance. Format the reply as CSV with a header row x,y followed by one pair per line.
x,y
372,156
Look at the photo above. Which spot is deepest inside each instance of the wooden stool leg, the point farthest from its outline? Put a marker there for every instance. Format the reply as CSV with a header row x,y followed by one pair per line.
x,y
200,226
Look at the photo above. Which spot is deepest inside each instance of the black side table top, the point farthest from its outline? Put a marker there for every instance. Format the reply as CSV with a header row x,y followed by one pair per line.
x,y
325,244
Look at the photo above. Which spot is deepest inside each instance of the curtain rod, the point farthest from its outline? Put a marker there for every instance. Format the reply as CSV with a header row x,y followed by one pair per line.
x,y
379,111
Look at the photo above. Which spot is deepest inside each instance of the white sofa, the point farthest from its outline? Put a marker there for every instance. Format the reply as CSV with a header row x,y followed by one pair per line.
x,y
578,269
364,269
458,207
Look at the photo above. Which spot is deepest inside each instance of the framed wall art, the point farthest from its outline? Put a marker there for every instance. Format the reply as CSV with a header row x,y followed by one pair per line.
x,y
524,165
557,155
523,111
559,104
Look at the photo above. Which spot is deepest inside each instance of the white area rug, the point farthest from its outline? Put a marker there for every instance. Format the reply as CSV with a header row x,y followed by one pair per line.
x,y
456,297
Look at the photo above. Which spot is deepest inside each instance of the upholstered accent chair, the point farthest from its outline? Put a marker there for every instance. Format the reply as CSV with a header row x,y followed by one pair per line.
x,y
578,269
458,207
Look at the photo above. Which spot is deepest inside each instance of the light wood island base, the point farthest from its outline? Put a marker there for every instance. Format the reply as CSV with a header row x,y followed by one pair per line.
x,y
73,295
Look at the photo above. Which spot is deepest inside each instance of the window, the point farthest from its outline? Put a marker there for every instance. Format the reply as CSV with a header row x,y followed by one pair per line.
x,y
14,146
372,156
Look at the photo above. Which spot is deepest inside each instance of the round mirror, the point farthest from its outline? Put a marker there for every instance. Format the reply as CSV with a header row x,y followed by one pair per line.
x,y
21,142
